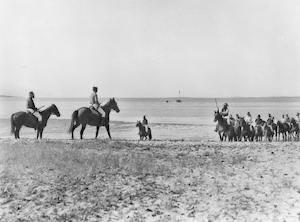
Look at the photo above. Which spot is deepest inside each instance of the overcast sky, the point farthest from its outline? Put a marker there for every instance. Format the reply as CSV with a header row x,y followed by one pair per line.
x,y
153,48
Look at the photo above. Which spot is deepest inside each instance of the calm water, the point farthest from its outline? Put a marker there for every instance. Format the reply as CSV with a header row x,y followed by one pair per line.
x,y
192,119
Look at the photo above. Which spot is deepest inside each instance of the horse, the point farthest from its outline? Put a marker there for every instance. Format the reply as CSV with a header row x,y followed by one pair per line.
x,y
142,131
85,116
294,130
222,125
274,129
247,131
258,133
268,132
284,129
237,130
231,133
27,119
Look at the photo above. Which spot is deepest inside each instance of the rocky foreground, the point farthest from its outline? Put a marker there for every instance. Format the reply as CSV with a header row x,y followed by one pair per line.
x,y
101,180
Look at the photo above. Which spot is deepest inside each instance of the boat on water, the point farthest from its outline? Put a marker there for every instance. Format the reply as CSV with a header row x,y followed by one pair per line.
x,y
179,100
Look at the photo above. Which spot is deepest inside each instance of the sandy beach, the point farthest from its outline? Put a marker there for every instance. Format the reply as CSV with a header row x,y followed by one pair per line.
x,y
102,180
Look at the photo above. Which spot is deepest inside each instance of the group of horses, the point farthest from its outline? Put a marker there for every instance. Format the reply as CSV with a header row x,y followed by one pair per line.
x,y
241,130
82,116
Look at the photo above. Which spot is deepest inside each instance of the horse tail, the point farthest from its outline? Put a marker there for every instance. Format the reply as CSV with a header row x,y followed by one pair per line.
x,y
73,120
12,124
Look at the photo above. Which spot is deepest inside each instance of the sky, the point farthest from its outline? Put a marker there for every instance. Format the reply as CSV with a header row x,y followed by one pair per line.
x,y
150,48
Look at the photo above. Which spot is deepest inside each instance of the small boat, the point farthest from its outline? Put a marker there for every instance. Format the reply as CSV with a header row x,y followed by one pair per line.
x,y
178,100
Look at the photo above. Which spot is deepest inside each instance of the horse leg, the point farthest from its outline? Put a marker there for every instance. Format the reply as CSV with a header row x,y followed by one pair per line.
x,y
221,138
73,128
37,132
17,132
107,130
82,130
41,133
97,131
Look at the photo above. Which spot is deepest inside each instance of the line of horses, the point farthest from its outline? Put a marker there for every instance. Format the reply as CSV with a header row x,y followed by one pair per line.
x,y
241,130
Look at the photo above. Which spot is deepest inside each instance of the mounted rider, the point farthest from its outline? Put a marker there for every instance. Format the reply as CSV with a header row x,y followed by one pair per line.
x,y
249,120
145,124
258,121
270,119
94,103
31,108
225,114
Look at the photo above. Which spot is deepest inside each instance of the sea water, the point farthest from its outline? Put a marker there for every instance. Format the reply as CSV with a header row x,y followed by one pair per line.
x,y
192,119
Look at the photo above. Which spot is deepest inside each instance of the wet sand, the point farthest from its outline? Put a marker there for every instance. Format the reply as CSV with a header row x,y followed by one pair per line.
x,y
102,180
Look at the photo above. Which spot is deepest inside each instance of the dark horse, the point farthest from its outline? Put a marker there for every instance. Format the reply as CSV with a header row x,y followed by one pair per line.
x,y
21,118
142,131
284,129
85,116
222,125
247,131
258,132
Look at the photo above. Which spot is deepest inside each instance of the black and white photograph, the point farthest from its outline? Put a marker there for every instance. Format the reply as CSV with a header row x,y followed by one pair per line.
x,y
149,110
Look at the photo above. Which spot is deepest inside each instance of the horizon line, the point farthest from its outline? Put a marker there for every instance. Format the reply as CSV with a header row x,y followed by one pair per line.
x,y
166,97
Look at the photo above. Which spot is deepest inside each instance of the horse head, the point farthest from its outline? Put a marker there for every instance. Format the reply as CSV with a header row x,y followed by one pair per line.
x,y
54,110
113,104
138,123
217,116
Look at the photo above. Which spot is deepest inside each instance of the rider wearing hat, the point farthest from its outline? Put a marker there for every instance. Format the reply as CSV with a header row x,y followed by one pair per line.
x,y
94,102
32,108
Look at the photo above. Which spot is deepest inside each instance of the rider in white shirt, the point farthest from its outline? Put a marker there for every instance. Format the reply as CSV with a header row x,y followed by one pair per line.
x,y
249,119
94,102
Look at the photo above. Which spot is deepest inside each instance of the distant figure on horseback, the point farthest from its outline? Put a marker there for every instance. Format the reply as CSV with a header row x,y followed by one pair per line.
x,y
225,111
270,119
31,108
143,133
258,121
145,124
248,118
95,105
225,114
